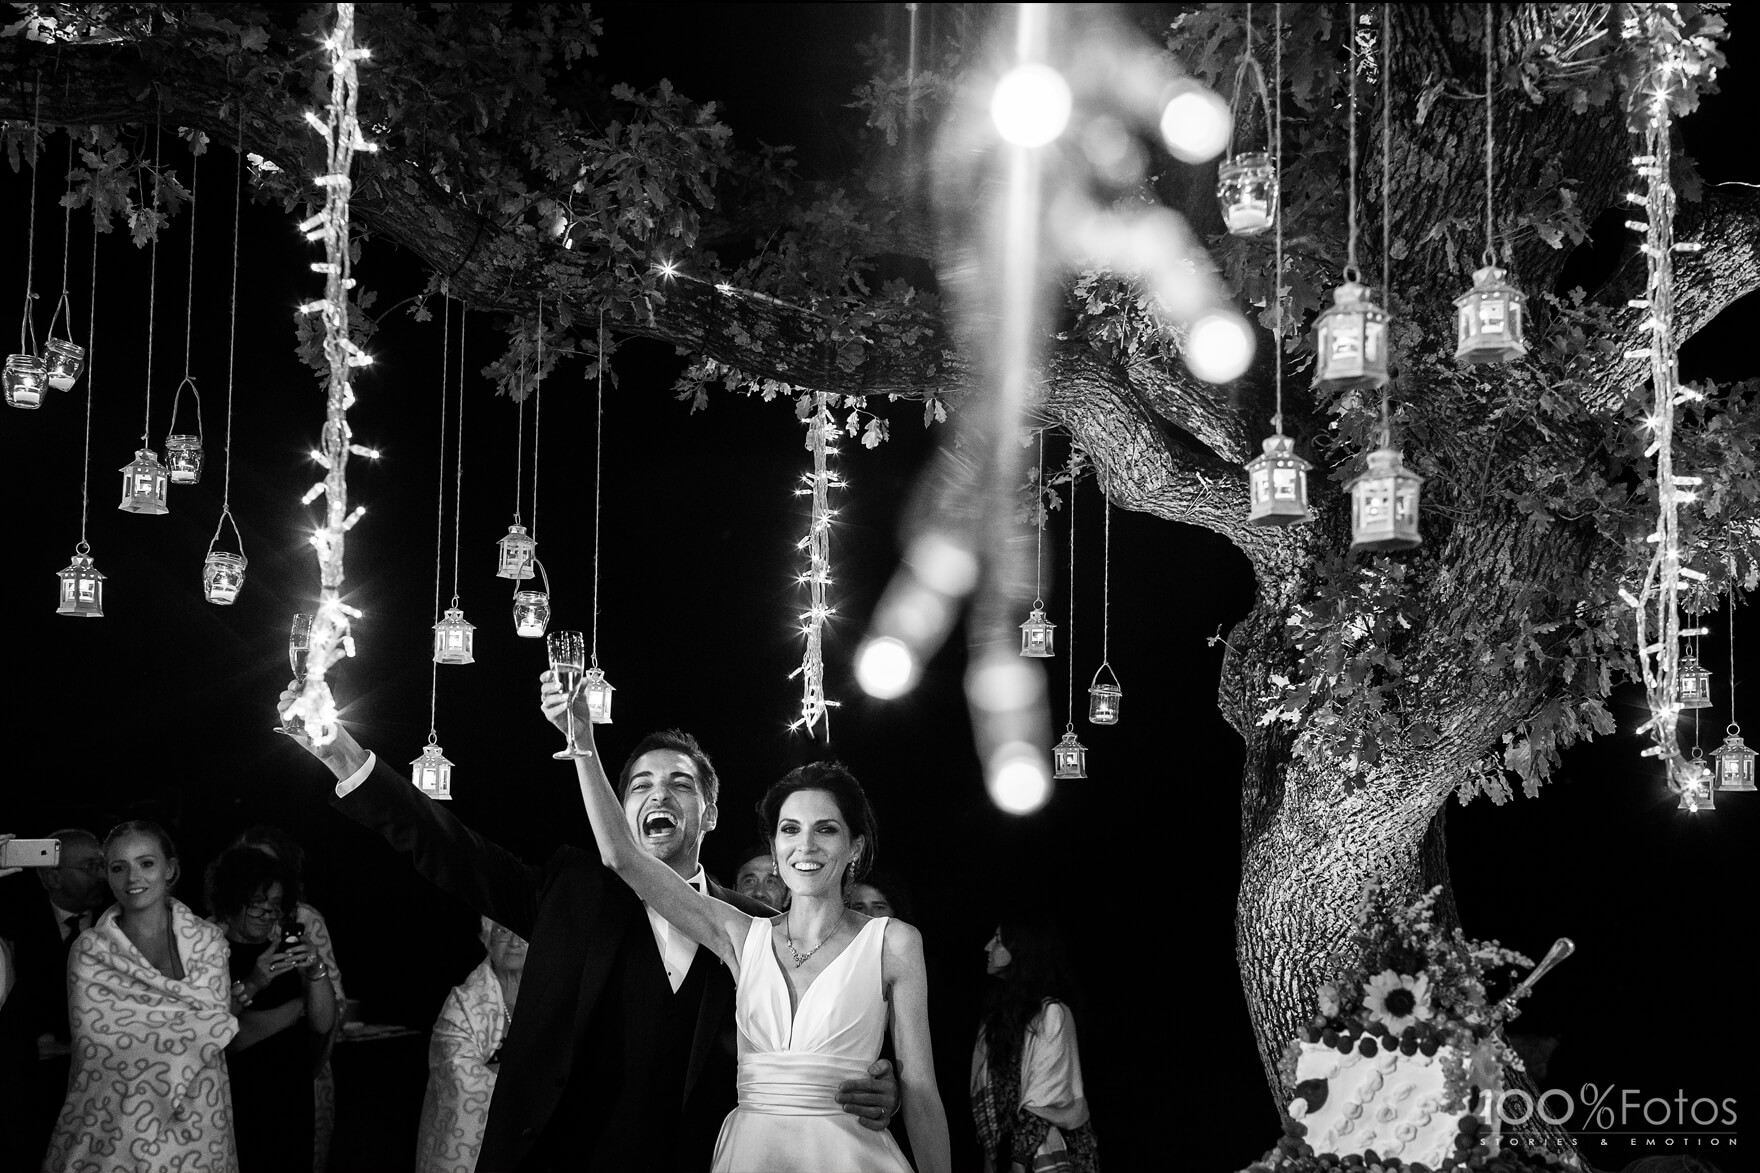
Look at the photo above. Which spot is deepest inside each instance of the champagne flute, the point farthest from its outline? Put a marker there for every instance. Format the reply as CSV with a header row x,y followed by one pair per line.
x,y
299,643
568,659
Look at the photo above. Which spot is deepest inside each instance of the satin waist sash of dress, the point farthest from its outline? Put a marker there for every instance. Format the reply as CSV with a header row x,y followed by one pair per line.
x,y
784,1083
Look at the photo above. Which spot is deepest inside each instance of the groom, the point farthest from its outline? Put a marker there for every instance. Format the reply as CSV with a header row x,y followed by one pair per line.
x,y
616,1059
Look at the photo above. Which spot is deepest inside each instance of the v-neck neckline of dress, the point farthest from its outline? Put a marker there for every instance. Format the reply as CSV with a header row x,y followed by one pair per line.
x,y
788,986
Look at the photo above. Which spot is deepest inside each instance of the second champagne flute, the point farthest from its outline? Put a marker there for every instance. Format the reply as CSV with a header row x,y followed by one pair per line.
x,y
568,659
299,642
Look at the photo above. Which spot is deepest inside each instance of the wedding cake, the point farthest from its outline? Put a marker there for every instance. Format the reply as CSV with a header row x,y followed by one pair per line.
x,y
1402,1067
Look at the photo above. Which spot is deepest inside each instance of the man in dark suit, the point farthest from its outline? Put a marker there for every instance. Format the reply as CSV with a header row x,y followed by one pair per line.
x,y
38,926
617,1058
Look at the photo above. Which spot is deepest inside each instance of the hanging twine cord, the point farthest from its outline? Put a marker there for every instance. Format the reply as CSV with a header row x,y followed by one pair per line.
x,y
1734,728
1386,201
1069,636
537,417
1106,584
231,349
189,321
1490,53
66,244
1248,64
519,444
28,324
1039,519
440,498
598,449
1351,272
85,480
458,475
1277,216
152,274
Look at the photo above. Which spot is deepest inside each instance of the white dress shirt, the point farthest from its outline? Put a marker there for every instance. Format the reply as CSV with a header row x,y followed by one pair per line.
x,y
676,948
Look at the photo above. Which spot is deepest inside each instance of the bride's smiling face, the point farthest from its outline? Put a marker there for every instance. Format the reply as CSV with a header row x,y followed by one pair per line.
x,y
813,844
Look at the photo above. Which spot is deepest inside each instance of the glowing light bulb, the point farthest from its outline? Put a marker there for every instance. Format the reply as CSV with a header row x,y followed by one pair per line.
x,y
885,668
1016,778
1219,347
1195,125
1031,105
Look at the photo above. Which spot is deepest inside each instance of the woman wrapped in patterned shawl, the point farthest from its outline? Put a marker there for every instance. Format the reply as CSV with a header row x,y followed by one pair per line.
x,y
147,996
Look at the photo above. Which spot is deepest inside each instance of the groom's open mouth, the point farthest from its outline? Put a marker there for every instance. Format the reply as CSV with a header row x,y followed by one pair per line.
x,y
656,823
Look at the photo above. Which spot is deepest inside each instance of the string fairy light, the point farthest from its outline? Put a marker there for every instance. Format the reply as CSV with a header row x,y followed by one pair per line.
x,y
24,376
330,635
1038,633
821,431
222,570
1277,479
82,585
1105,697
183,452
64,359
1069,757
1656,602
144,479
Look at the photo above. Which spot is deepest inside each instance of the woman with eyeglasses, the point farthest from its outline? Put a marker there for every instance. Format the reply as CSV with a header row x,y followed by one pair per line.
x,y
464,1054
146,993
285,1004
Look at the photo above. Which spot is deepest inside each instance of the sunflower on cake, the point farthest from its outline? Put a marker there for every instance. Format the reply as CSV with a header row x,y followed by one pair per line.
x,y
1402,1067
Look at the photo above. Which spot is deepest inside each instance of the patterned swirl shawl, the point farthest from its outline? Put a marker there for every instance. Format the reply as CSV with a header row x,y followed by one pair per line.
x,y
471,1027
147,1090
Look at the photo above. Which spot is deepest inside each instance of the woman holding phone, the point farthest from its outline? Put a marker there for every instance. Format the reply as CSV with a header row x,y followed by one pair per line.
x,y
285,1004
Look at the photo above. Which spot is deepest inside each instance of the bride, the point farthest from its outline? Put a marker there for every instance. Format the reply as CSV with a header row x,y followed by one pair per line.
x,y
815,986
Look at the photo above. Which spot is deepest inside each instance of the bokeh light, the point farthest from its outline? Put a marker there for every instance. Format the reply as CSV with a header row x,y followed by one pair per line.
x,y
885,668
1195,124
1219,347
1017,779
1031,105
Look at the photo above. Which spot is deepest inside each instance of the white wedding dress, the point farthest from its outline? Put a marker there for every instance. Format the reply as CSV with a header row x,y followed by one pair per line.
x,y
790,1066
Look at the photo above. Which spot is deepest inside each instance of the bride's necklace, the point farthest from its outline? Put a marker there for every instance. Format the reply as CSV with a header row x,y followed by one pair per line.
x,y
800,958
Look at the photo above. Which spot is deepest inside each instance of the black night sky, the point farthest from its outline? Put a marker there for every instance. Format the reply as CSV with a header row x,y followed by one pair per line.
x,y
164,707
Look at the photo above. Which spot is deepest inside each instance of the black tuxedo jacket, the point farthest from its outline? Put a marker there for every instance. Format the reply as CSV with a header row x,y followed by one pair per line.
x,y
30,1092
586,928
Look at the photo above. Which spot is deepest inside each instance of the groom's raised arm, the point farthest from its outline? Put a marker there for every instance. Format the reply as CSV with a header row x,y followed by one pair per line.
x,y
445,852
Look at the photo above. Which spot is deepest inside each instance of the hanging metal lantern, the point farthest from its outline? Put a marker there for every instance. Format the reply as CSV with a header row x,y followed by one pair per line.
x,y
1697,793
82,586
1692,684
597,691
1069,757
143,484
63,363
223,577
518,552
432,773
1350,341
183,457
1488,319
1036,633
1278,479
1246,185
1735,762
1104,697
25,380
1384,504
453,639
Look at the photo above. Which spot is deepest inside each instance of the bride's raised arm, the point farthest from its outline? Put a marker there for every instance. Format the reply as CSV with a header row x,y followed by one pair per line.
x,y
710,922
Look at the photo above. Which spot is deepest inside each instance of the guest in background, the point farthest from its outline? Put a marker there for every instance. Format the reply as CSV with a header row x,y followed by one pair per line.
x,y
38,925
464,1055
757,878
1026,1071
146,989
285,1004
286,848
882,894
